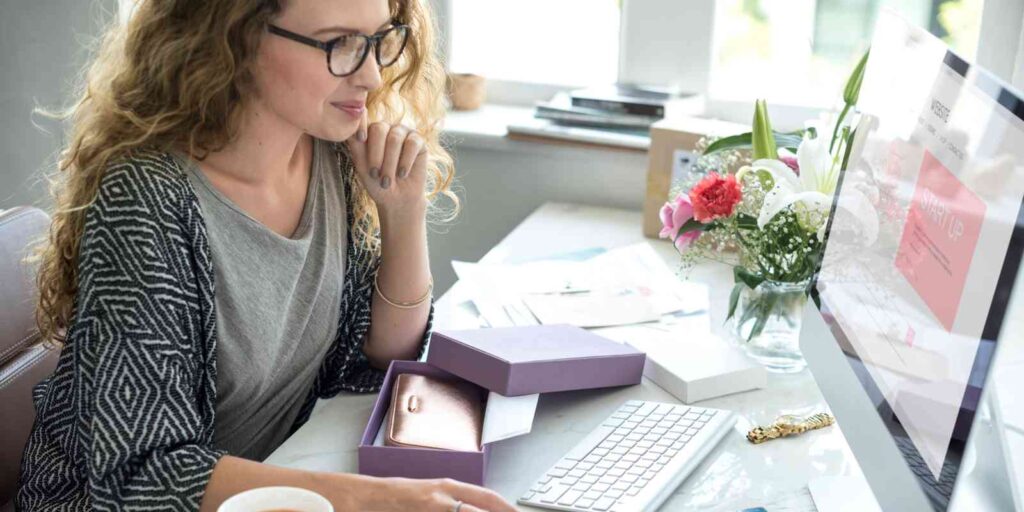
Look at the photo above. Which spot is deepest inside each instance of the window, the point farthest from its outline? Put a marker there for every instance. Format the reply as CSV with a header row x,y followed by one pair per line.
x,y
800,52
565,42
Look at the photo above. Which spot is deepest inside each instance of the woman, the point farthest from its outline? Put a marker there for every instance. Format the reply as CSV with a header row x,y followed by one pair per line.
x,y
233,240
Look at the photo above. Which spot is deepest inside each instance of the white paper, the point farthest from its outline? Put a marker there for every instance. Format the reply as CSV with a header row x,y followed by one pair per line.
x,y
493,295
508,416
622,286
682,166
592,310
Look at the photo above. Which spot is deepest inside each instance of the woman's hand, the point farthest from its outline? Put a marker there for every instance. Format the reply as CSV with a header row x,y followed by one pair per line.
x,y
391,162
438,495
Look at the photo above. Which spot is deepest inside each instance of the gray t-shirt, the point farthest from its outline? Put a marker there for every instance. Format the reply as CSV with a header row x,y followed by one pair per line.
x,y
277,301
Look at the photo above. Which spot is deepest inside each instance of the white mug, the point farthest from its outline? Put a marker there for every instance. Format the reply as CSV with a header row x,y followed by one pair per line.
x,y
265,499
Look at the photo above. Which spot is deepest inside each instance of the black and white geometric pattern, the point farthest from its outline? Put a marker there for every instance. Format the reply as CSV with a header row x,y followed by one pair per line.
x,y
126,420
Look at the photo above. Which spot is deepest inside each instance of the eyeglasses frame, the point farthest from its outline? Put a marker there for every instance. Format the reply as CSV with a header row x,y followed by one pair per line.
x,y
328,46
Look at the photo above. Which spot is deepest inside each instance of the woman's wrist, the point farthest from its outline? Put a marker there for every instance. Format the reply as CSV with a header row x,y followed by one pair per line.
x,y
348,491
403,214
402,230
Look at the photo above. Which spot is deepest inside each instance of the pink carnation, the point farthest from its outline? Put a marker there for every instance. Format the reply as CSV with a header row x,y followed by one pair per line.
x,y
673,216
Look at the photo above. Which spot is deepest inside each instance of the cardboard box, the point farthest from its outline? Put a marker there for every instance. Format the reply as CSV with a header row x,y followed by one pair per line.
x,y
667,137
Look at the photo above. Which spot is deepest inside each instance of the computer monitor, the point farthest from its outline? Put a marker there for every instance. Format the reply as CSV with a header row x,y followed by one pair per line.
x,y
922,249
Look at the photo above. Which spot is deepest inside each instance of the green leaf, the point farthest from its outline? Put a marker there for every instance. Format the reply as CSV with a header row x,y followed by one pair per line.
x,y
788,140
691,225
734,299
764,312
748,312
849,147
758,328
742,275
839,122
740,141
762,137
745,221
851,93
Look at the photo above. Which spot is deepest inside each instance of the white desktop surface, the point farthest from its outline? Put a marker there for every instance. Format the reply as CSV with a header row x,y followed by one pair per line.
x,y
735,475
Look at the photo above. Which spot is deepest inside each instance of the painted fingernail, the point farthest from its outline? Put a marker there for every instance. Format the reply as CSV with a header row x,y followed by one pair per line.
x,y
403,172
362,135
374,172
386,182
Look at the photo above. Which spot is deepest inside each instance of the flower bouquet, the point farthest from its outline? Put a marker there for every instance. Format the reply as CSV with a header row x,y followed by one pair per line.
x,y
773,211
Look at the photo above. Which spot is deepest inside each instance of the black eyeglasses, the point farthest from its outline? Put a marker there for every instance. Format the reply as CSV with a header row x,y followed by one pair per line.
x,y
345,54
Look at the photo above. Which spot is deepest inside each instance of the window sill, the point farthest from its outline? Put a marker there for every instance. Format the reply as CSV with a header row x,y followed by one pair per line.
x,y
484,127
487,128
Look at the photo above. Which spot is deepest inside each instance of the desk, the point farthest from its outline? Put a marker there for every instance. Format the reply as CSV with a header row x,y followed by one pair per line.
x,y
737,474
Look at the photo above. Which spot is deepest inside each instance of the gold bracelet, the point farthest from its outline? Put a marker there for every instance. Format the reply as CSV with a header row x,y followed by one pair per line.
x,y
789,426
404,305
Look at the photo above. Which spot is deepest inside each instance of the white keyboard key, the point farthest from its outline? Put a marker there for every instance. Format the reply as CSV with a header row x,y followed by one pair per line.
x,y
646,409
570,497
556,491
588,443
613,422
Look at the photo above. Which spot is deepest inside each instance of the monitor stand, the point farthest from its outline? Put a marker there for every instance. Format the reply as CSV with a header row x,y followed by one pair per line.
x,y
986,481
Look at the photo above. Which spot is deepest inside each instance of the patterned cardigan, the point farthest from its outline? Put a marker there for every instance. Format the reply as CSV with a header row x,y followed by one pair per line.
x,y
126,420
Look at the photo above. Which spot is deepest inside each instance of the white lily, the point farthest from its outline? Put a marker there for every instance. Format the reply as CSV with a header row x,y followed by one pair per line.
x,y
812,189
810,193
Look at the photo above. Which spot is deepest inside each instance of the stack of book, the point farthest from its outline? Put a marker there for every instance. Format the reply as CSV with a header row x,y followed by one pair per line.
x,y
618,106
617,114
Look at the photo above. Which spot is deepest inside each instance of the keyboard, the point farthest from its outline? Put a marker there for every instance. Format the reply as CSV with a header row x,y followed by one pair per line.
x,y
633,461
939,492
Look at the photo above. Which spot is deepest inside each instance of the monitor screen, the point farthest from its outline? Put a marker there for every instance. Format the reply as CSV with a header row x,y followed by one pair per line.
x,y
924,242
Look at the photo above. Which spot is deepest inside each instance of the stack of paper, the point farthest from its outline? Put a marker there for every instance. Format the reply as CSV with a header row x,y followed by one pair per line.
x,y
622,286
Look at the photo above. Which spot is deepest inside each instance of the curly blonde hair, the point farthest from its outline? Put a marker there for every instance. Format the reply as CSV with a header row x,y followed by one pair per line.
x,y
178,75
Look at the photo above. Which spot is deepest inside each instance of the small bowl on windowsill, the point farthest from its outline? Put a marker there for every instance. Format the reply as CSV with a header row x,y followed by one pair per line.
x,y
467,91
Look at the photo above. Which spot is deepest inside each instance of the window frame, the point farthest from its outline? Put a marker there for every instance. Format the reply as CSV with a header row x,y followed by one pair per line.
x,y
1000,48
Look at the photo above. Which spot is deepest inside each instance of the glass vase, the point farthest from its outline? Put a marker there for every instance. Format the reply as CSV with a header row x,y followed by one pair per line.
x,y
775,309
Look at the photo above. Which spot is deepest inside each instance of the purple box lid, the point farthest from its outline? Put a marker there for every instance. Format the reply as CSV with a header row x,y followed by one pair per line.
x,y
524,360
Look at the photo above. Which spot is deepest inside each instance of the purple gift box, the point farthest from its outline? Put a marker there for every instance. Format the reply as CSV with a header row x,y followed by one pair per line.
x,y
511,361
469,467
517,361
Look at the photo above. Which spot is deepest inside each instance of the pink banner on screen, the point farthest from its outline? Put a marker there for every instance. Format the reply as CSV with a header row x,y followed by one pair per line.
x,y
939,239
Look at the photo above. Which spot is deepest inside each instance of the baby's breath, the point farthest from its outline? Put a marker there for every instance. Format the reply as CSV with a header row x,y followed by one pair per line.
x,y
785,249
